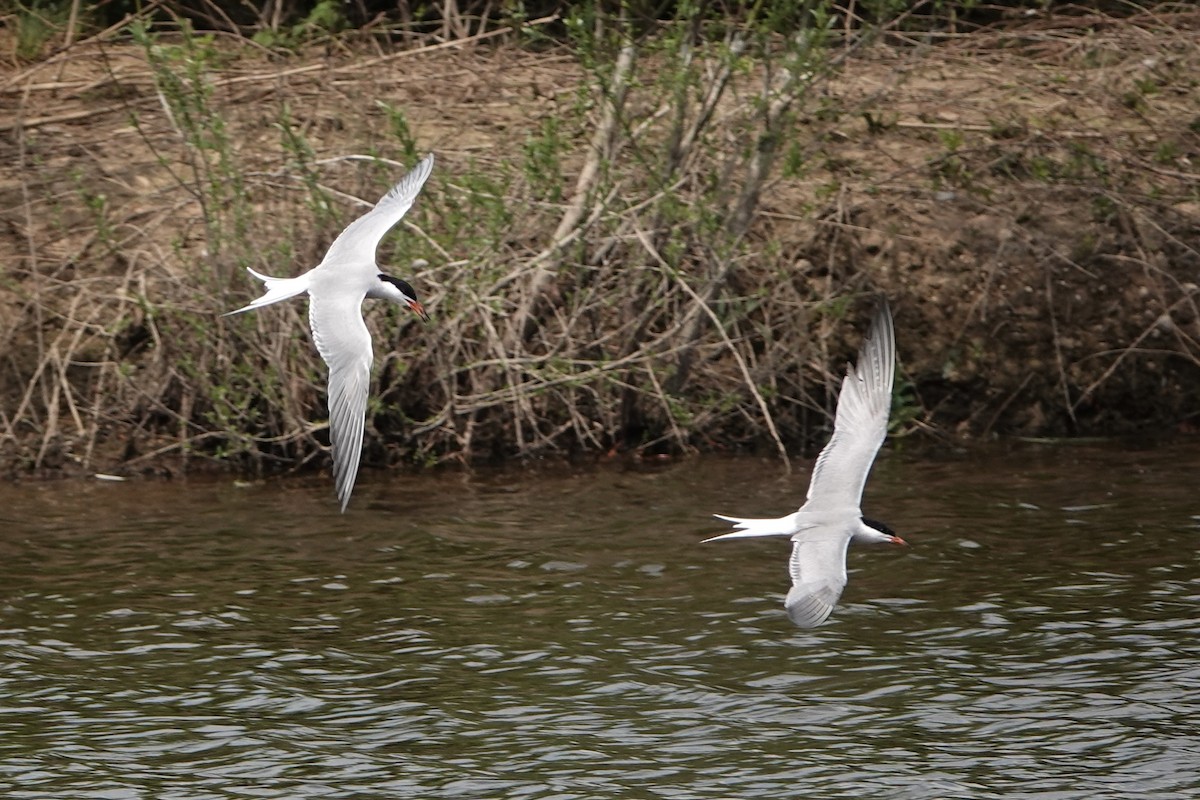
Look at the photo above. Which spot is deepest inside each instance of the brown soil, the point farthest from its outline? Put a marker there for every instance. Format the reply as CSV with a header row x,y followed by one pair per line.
x,y
1029,199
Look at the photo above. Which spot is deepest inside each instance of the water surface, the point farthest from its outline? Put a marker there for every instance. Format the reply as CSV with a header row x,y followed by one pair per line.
x,y
563,635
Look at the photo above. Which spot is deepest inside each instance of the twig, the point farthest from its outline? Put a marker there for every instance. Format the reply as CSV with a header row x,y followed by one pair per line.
x,y
1063,383
600,150
737,356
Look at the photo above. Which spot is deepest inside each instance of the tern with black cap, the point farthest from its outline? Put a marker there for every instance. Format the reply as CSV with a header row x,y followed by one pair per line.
x,y
822,529
336,289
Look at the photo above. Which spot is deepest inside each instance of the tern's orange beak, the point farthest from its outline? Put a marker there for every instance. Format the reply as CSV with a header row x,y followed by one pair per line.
x,y
419,310
898,540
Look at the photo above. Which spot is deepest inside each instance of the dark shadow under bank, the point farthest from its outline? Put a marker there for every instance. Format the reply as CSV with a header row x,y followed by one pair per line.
x,y
915,446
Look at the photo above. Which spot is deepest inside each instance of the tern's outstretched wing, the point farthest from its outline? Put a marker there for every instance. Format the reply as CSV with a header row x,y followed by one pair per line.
x,y
818,569
358,242
343,341
860,425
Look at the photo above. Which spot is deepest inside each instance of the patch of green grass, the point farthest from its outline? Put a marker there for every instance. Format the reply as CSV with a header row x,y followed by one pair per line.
x,y
401,131
36,25
323,20
543,160
183,69
97,206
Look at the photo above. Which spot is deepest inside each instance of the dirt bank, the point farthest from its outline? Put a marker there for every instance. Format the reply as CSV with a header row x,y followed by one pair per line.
x,y
1027,197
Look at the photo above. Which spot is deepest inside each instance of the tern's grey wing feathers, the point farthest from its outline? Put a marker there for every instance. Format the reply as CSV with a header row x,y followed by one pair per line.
x,y
343,341
818,569
861,422
358,242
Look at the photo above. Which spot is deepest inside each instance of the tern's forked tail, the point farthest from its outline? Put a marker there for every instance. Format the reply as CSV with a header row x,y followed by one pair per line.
x,y
779,526
277,289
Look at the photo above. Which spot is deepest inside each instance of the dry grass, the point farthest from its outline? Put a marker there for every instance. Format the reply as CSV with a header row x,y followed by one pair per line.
x,y
663,253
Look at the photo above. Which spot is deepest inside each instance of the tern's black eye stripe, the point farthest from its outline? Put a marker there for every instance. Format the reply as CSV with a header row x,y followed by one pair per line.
x,y
879,526
402,285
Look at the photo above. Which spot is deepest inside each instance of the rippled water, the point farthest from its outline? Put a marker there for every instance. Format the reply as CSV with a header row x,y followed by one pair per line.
x,y
519,635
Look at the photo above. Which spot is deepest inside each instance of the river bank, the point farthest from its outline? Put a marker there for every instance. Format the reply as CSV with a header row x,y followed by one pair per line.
x,y
625,249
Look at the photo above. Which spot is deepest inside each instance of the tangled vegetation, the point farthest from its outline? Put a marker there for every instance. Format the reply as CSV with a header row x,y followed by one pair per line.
x,y
649,235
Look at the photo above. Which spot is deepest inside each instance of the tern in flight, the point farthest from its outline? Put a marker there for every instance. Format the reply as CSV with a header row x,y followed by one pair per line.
x,y
826,524
336,288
